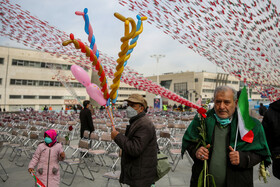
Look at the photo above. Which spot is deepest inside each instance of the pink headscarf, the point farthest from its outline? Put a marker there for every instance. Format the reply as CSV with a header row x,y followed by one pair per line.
x,y
53,135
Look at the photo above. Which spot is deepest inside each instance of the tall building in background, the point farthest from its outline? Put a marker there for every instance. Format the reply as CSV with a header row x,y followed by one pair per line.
x,y
195,85
28,79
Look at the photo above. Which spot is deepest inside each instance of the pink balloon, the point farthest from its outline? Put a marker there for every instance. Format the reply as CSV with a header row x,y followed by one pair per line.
x,y
95,93
80,74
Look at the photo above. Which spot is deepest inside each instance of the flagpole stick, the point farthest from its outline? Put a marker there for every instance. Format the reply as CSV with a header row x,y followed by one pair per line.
x,y
236,138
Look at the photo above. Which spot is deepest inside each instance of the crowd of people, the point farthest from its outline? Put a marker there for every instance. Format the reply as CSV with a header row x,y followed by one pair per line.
x,y
229,158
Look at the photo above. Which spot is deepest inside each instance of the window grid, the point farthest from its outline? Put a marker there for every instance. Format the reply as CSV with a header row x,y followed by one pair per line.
x,y
16,62
42,83
181,88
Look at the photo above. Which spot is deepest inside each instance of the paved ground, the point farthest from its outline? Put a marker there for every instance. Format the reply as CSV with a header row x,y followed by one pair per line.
x,y
18,176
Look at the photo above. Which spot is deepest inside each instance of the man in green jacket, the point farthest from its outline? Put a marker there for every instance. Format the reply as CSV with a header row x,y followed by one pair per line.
x,y
228,166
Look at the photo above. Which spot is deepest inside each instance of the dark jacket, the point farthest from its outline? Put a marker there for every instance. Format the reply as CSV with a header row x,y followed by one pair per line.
x,y
241,175
139,152
271,125
86,121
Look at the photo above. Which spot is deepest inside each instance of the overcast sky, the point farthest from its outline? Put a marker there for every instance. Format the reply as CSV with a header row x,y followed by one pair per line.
x,y
108,30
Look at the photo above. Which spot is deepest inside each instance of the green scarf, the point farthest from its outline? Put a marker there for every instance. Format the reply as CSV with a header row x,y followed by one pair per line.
x,y
259,145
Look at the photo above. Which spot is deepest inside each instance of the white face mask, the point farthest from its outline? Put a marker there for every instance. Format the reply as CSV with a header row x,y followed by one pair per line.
x,y
131,112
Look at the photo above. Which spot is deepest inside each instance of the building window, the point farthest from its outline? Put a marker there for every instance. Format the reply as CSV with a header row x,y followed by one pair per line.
x,y
39,83
124,95
18,82
181,88
207,91
44,97
209,80
14,62
196,80
12,81
46,83
27,63
0,81
1,60
29,97
30,82
23,82
57,97
15,96
166,84
57,84
81,97
234,82
76,84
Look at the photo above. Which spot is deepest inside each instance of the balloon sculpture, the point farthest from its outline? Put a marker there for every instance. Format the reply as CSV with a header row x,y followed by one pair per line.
x,y
124,55
89,31
92,89
95,62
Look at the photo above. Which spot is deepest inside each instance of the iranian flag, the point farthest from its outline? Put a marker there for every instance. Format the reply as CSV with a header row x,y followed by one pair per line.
x,y
245,122
37,181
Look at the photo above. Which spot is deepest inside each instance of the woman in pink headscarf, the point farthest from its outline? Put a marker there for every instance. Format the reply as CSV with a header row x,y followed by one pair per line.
x,y
46,158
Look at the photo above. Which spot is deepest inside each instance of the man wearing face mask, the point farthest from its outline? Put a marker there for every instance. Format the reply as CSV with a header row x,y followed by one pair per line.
x,y
229,167
139,145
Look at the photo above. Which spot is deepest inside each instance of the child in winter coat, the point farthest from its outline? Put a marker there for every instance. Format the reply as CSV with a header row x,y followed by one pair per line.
x,y
46,158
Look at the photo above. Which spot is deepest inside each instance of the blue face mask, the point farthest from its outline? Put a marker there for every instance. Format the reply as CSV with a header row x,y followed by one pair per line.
x,y
48,140
222,121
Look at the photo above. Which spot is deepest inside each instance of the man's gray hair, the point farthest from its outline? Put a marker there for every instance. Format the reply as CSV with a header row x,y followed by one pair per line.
x,y
225,88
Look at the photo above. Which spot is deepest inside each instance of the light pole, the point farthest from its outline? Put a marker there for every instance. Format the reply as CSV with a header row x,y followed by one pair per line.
x,y
157,57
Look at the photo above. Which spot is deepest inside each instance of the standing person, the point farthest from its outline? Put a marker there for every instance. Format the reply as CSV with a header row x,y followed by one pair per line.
x,y
271,125
46,158
139,145
45,108
85,118
229,167
262,109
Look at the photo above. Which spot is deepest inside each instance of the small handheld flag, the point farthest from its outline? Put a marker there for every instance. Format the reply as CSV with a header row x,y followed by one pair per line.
x,y
37,181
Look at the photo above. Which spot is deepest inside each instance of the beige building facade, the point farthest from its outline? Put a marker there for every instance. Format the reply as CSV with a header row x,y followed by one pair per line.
x,y
28,79
195,85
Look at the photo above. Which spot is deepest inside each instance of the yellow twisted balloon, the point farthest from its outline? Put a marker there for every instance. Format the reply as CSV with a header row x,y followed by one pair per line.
x,y
95,62
135,35
123,57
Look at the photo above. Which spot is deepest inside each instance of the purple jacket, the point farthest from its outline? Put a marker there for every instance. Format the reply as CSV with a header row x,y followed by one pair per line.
x,y
46,159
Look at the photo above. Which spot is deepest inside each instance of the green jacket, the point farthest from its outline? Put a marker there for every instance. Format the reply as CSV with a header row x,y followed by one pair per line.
x,y
250,153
